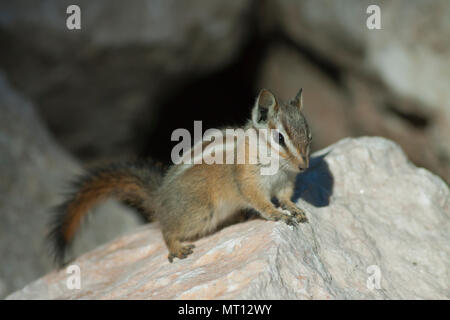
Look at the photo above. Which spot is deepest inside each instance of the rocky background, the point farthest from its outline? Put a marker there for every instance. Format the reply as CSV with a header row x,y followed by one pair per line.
x,y
137,70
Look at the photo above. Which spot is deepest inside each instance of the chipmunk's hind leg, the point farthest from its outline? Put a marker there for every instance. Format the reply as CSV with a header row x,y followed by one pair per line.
x,y
176,248
185,221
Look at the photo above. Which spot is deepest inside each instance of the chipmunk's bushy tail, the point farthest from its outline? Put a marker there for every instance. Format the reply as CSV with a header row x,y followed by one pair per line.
x,y
130,182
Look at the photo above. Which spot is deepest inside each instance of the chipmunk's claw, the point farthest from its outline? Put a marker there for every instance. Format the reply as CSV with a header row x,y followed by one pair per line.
x,y
300,217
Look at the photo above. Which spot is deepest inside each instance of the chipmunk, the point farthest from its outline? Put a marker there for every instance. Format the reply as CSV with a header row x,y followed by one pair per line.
x,y
192,200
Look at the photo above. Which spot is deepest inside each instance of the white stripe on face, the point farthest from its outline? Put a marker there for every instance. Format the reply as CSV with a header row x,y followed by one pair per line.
x,y
292,149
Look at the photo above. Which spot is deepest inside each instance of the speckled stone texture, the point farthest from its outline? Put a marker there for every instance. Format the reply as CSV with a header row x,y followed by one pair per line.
x,y
368,208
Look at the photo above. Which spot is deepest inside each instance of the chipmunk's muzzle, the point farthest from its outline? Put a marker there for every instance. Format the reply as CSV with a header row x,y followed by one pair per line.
x,y
304,164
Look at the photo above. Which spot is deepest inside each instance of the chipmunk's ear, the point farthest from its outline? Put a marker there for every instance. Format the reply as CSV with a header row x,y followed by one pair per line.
x,y
265,107
298,100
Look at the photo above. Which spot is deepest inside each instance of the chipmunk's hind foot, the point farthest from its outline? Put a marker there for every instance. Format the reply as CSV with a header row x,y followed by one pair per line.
x,y
181,253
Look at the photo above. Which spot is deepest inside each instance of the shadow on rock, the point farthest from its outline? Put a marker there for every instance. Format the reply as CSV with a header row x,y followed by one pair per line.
x,y
315,185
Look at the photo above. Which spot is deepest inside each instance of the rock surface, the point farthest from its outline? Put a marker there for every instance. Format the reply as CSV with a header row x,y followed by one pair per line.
x,y
369,210
33,176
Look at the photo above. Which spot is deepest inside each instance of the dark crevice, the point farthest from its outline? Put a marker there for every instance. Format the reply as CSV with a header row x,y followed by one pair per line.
x,y
415,120
326,66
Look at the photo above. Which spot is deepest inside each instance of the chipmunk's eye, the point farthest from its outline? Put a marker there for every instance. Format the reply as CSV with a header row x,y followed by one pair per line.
x,y
278,137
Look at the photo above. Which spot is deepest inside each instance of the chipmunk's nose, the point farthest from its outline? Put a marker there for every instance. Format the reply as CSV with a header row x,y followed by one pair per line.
x,y
304,165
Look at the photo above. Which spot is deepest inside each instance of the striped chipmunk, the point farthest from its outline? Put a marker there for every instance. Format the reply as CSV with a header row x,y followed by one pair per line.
x,y
192,199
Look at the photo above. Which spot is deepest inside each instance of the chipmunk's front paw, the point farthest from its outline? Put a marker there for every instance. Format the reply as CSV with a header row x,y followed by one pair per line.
x,y
287,217
182,253
291,221
298,214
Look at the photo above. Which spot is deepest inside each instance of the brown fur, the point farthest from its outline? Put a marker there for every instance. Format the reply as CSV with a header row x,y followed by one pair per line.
x,y
97,190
